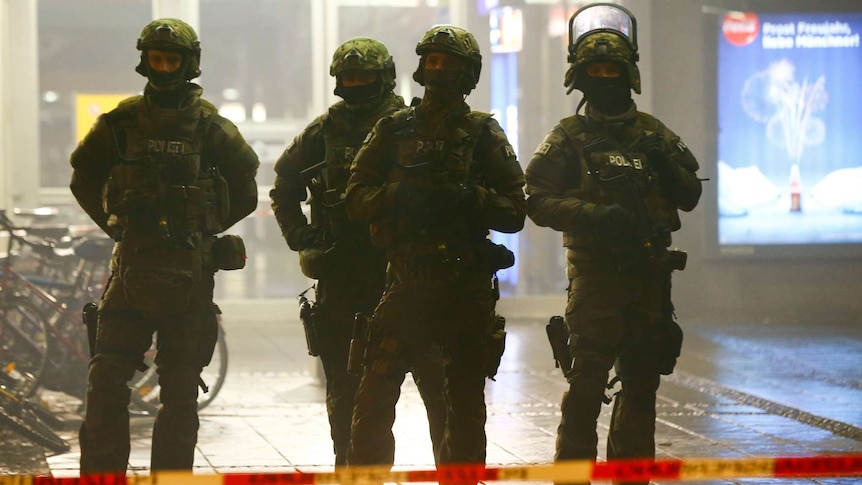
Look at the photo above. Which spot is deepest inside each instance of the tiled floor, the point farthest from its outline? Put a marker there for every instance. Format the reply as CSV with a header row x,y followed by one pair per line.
x,y
742,390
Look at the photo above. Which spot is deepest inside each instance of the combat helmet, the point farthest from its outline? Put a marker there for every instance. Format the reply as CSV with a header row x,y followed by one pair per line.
x,y
602,32
457,41
171,35
363,54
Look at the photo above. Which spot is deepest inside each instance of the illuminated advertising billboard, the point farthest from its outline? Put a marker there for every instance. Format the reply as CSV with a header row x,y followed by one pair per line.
x,y
789,129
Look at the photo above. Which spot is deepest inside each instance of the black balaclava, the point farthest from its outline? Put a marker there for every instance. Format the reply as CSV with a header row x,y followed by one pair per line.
x,y
442,86
610,95
366,94
168,81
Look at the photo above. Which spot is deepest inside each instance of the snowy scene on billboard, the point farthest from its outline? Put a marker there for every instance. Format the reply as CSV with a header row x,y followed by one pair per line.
x,y
789,128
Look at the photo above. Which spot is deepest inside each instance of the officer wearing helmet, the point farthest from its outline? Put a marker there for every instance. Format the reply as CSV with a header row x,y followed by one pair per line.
x,y
335,251
162,174
612,181
432,180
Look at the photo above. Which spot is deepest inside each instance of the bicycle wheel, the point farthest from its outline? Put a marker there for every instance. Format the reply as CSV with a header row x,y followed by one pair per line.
x,y
146,389
15,415
24,344
63,365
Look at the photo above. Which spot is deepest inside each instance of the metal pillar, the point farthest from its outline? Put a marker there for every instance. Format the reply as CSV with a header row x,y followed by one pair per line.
x,y
459,13
5,118
19,100
324,41
186,10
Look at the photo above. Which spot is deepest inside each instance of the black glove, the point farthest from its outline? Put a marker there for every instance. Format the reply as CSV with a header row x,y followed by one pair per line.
x,y
653,147
309,237
451,197
612,222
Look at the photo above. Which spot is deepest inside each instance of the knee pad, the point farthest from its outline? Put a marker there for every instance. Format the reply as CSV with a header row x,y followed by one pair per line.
x,y
178,384
110,367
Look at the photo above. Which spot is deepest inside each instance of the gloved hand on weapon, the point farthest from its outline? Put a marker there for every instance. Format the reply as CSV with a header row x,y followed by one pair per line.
x,y
405,197
451,197
307,237
612,222
653,147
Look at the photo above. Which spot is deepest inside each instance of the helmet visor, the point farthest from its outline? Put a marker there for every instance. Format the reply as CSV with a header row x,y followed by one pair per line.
x,y
603,17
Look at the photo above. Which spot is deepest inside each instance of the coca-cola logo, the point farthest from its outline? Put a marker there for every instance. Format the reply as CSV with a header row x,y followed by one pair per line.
x,y
740,28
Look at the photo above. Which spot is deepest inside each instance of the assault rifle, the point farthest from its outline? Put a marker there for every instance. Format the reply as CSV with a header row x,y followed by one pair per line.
x,y
619,175
626,175
329,198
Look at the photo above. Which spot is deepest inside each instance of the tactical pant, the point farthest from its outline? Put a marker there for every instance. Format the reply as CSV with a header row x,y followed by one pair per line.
x,y
611,312
186,342
409,318
338,303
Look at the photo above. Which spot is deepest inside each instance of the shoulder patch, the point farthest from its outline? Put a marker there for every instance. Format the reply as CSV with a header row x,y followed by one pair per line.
x,y
543,148
681,146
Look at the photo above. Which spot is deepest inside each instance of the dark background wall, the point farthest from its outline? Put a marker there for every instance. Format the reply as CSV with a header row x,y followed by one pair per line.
x,y
795,286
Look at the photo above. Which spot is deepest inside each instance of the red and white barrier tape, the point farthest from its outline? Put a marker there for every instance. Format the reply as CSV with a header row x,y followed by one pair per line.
x,y
573,471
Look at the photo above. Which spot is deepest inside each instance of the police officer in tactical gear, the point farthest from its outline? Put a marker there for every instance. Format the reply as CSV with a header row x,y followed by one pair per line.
x,y
162,174
337,252
612,181
432,180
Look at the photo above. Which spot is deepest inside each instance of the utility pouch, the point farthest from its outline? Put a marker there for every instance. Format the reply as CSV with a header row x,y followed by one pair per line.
x,y
495,346
494,257
676,260
306,316
358,345
229,252
159,278
158,290
90,317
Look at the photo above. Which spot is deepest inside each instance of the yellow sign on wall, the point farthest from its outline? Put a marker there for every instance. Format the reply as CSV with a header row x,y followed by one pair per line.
x,y
88,107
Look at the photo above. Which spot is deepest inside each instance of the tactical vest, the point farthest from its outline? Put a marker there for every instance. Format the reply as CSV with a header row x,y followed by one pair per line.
x,y
165,198
610,174
425,162
342,139
161,182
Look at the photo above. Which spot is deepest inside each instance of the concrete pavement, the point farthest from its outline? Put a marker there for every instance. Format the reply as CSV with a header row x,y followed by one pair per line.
x,y
740,390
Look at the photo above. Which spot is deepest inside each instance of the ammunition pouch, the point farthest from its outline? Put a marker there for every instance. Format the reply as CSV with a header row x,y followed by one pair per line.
x,y
228,252
216,202
674,260
494,257
495,345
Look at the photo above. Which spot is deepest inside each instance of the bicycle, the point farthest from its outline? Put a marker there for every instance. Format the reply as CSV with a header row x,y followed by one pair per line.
x,y
41,315
54,347
26,418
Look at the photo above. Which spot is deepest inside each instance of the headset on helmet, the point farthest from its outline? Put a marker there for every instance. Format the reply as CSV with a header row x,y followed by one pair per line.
x,y
602,32
171,35
454,40
363,54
